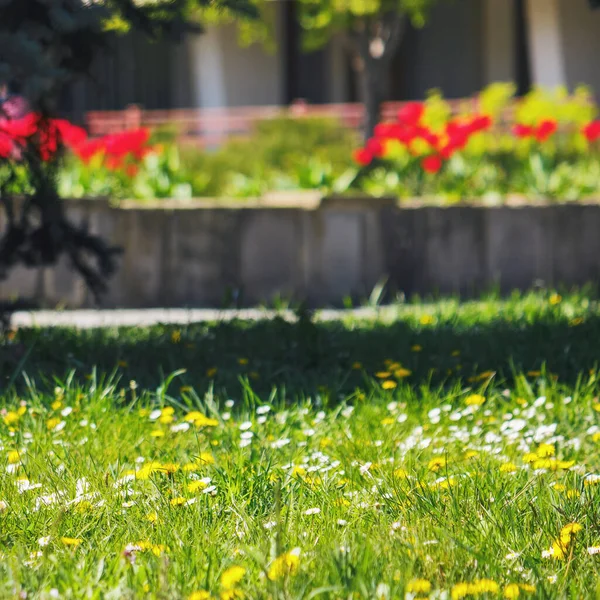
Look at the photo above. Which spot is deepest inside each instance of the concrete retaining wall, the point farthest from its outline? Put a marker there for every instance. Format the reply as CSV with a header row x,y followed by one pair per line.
x,y
199,254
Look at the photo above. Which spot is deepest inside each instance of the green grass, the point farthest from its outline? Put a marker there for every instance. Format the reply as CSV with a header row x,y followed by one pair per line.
x,y
482,449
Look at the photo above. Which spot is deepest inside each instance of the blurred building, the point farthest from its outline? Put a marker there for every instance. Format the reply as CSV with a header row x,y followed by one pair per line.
x,y
465,45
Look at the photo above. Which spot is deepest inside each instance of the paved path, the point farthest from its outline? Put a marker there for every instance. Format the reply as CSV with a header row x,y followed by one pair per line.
x,y
84,319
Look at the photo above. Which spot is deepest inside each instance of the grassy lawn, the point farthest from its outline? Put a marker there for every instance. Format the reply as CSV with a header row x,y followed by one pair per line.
x,y
445,451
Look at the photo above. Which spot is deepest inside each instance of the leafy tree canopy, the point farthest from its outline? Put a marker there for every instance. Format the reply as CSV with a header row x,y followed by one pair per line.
x,y
45,43
320,19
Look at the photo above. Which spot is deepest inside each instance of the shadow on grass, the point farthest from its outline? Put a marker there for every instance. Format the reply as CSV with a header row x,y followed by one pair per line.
x,y
307,358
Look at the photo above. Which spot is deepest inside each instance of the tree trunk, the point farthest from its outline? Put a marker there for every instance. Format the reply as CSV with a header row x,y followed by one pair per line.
x,y
373,81
375,43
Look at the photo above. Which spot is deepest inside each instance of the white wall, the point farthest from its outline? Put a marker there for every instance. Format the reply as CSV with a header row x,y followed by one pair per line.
x,y
546,54
225,75
252,75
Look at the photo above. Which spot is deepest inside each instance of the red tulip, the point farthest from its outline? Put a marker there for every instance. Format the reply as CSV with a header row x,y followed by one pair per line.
x,y
523,131
592,131
363,157
481,123
89,149
545,130
375,147
22,128
411,113
432,164
6,145
70,134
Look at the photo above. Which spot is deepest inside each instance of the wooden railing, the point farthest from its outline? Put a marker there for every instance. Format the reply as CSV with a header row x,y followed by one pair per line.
x,y
212,126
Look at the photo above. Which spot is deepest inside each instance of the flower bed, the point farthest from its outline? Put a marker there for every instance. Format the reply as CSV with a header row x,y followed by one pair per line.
x,y
544,145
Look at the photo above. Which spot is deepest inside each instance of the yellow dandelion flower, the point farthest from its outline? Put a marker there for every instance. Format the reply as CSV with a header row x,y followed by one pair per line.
x,y
196,486
555,299
211,372
402,373
185,389
200,595
152,517
427,320
459,591
21,410
51,424
485,375
242,361
565,465
285,565
388,384
176,336
545,463
486,586
168,468
437,463
416,348
357,366
200,420
511,591
508,468
534,373
157,433
233,594
400,473
546,450
232,576
298,471
444,484
474,400
559,550
570,529
193,415
11,417
383,375
178,501
158,549
388,421
205,422
206,458
14,457
418,586
68,541
56,405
